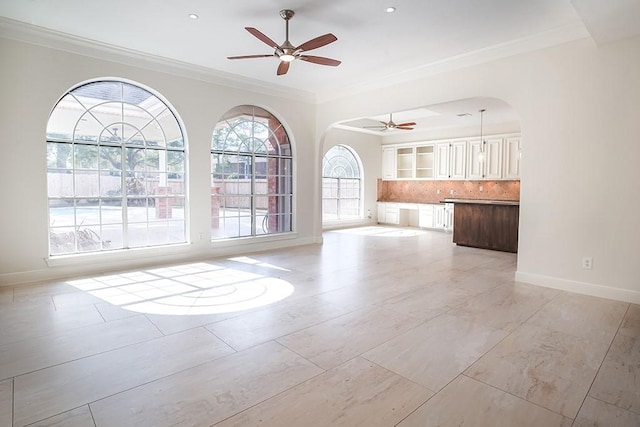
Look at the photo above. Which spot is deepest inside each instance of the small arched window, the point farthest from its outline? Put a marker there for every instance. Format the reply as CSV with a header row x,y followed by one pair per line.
x,y
341,184
115,170
251,170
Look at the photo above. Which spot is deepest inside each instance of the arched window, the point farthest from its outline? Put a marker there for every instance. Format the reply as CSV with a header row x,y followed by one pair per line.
x,y
341,184
115,170
251,169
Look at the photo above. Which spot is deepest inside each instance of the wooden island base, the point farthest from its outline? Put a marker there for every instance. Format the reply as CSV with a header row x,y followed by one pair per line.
x,y
486,225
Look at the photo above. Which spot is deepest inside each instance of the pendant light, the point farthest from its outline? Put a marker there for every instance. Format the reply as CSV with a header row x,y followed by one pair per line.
x,y
482,143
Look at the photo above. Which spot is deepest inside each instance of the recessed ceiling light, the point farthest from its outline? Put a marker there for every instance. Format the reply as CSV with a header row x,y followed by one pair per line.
x,y
390,9
193,16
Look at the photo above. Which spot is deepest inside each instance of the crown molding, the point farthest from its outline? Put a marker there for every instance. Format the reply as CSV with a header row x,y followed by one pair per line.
x,y
32,34
23,32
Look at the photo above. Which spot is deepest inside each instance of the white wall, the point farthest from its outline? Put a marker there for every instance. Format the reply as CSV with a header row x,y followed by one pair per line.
x,y
579,106
33,78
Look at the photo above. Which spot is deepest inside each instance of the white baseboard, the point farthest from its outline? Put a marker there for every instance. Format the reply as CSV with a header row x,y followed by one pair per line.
x,y
618,294
337,225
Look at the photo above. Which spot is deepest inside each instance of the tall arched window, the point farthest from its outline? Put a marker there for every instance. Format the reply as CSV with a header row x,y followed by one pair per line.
x,y
115,170
341,184
251,169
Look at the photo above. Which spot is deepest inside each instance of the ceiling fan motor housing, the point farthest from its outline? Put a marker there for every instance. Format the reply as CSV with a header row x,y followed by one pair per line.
x,y
287,52
287,14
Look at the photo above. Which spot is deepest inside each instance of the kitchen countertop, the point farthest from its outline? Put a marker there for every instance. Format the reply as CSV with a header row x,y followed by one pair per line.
x,y
484,202
468,201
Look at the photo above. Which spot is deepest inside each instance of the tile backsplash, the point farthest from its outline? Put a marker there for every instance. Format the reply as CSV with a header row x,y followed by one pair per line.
x,y
436,191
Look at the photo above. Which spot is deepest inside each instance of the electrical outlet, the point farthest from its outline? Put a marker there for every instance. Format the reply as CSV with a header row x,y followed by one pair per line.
x,y
587,263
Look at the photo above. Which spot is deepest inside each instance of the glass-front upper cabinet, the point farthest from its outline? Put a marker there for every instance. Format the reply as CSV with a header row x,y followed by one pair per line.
x,y
424,162
404,163
416,162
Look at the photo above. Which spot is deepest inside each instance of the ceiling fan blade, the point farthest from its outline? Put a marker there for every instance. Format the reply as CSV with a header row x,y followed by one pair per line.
x,y
283,67
407,124
320,60
374,127
250,56
403,128
317,42
257,34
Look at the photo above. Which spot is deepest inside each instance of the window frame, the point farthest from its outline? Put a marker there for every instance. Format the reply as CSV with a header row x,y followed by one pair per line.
x,y
356,164
268,161
157,135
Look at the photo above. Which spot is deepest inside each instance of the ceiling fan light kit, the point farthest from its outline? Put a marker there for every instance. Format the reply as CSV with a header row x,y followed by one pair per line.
x,y
287,52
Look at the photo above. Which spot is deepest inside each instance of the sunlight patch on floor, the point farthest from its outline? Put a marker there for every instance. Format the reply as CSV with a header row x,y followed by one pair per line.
x,y
253,261
189,289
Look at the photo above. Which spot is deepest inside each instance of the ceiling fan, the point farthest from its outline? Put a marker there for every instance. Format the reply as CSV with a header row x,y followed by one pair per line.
x,y
392,125
287,52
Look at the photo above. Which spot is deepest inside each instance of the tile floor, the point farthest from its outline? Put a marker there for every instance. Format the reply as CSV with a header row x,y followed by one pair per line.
x,y
376,327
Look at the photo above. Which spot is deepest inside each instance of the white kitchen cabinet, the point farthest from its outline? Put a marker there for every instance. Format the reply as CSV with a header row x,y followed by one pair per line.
x,y
484,159
389,213
451,160
425,216
415,162
438,217
475,162
388,163
511,154
404,162
424,162
392,214
442,161
443,216
458,160
498,157
493,158
382,213
448,214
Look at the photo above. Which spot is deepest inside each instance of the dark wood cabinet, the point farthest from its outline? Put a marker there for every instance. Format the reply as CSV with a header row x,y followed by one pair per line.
x,y
487,226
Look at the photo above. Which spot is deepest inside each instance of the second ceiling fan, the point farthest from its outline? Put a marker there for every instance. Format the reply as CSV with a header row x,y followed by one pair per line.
x,y
287,52
392,125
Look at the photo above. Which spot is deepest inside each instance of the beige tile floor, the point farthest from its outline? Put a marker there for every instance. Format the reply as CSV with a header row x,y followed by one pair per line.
x,y
376,327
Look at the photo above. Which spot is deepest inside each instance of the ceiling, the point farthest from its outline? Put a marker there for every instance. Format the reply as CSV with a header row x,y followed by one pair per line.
x,y
463,115
376,48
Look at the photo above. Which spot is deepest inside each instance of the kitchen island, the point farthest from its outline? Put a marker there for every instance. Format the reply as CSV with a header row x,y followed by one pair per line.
x,y
486,224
